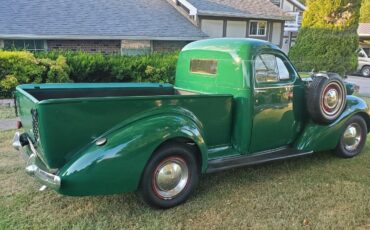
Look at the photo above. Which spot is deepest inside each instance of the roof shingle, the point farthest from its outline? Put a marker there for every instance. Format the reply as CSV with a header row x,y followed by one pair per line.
x,y
136,19
263,9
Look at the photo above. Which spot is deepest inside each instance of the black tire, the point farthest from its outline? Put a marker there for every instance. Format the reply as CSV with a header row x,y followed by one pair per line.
x,y
352,147
365,71
319,98
173,154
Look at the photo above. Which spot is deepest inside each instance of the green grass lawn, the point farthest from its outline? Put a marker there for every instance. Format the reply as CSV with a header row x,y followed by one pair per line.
x,y
316,192
7,112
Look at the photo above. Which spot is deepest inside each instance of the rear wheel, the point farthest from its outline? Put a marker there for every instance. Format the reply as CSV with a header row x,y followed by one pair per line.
x,y
170,176
365,71
353,138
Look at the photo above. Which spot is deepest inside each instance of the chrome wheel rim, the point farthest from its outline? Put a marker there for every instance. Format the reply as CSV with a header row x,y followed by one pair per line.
x,y
332,99
170,177
352,137
366,72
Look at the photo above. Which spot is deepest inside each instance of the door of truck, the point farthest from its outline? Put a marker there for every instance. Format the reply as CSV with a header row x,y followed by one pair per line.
x,y
274,121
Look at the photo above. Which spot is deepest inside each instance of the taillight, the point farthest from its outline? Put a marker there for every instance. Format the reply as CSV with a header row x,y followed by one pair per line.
x,y
19,124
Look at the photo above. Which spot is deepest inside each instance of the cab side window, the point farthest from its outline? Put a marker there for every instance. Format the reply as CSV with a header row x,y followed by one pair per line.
x,y
270,68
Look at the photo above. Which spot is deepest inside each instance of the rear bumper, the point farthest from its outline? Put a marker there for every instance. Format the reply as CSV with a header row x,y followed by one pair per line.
x,y
34,166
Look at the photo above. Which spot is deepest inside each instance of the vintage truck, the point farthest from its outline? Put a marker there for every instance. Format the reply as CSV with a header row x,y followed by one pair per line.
x,y
236,102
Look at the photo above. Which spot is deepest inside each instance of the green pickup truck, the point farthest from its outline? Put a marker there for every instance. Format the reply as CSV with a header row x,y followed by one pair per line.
x,y
236,102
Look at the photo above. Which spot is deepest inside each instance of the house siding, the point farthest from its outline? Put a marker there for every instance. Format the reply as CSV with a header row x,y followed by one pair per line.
x,y
167,46
269,30
90,46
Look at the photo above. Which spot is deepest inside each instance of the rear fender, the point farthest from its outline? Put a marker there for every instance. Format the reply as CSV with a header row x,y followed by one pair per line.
x,y
117,166
317,137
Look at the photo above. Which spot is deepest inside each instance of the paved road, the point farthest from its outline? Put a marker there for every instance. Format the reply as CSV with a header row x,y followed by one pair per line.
x,y
363,82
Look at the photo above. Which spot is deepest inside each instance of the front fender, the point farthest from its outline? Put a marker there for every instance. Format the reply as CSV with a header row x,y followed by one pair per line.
x,y
117,166
317,137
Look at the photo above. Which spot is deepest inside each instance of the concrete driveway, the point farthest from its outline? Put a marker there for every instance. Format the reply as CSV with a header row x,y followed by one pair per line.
x,y
363,82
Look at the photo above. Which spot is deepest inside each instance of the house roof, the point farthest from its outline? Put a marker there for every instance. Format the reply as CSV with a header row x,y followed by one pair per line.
x,y
364,30
94,19
263,9
298,4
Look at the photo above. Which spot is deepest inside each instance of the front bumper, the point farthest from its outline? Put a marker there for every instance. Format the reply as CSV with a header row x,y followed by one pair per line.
x,y
34,166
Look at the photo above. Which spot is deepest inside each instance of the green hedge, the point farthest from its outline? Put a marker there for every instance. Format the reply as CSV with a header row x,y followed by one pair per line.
x,y
328,38
325,50
84,67
21,67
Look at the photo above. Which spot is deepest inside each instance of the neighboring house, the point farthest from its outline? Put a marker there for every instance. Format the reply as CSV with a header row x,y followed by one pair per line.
x,y
134,26
115,26
364,32
294,8
258,19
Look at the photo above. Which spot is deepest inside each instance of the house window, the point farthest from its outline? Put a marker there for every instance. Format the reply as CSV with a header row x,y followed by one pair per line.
x,y
136,47
30,45
203,66
258,28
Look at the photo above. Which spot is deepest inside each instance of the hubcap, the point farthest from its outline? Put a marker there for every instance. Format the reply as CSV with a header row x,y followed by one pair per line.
x,y
352,137
170,177
332,100
366,72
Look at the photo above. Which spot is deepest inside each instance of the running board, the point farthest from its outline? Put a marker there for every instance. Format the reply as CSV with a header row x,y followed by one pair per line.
x,y
224,163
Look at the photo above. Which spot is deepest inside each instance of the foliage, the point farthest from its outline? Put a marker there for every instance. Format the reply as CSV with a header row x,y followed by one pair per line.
x,y
325,50
328,39
20,67
332,14
84,67
365,11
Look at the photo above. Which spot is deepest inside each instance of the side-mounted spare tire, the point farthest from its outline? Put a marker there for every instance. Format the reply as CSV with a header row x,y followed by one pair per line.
x,y
325,97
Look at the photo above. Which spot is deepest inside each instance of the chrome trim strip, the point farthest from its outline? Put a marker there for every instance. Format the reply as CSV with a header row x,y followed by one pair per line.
x,y
274,87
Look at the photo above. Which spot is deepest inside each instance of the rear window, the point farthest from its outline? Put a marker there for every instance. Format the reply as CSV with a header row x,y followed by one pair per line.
x,y
203,66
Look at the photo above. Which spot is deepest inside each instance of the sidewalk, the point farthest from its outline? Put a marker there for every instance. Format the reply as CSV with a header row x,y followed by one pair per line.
x,y
7,124
6,102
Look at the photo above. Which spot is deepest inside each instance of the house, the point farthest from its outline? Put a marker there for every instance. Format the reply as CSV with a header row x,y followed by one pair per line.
x,y
134,26
120,26
294,8
364,32
236,18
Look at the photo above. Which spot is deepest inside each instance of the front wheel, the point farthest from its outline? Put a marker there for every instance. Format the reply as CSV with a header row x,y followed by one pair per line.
x,y
353,138
365,71
170,176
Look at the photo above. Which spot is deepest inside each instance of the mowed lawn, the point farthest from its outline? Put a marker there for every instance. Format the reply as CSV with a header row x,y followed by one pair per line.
x,y
316,192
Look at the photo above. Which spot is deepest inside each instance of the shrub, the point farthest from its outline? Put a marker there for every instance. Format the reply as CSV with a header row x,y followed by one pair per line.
x,y
365,11
328,39
84,67
21,67
156,67
325,50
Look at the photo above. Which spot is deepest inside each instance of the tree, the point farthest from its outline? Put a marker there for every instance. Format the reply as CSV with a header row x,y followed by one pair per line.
x,y
328,38
365,11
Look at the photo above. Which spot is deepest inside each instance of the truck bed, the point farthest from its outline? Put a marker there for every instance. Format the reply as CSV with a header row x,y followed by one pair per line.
x,y
70,116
